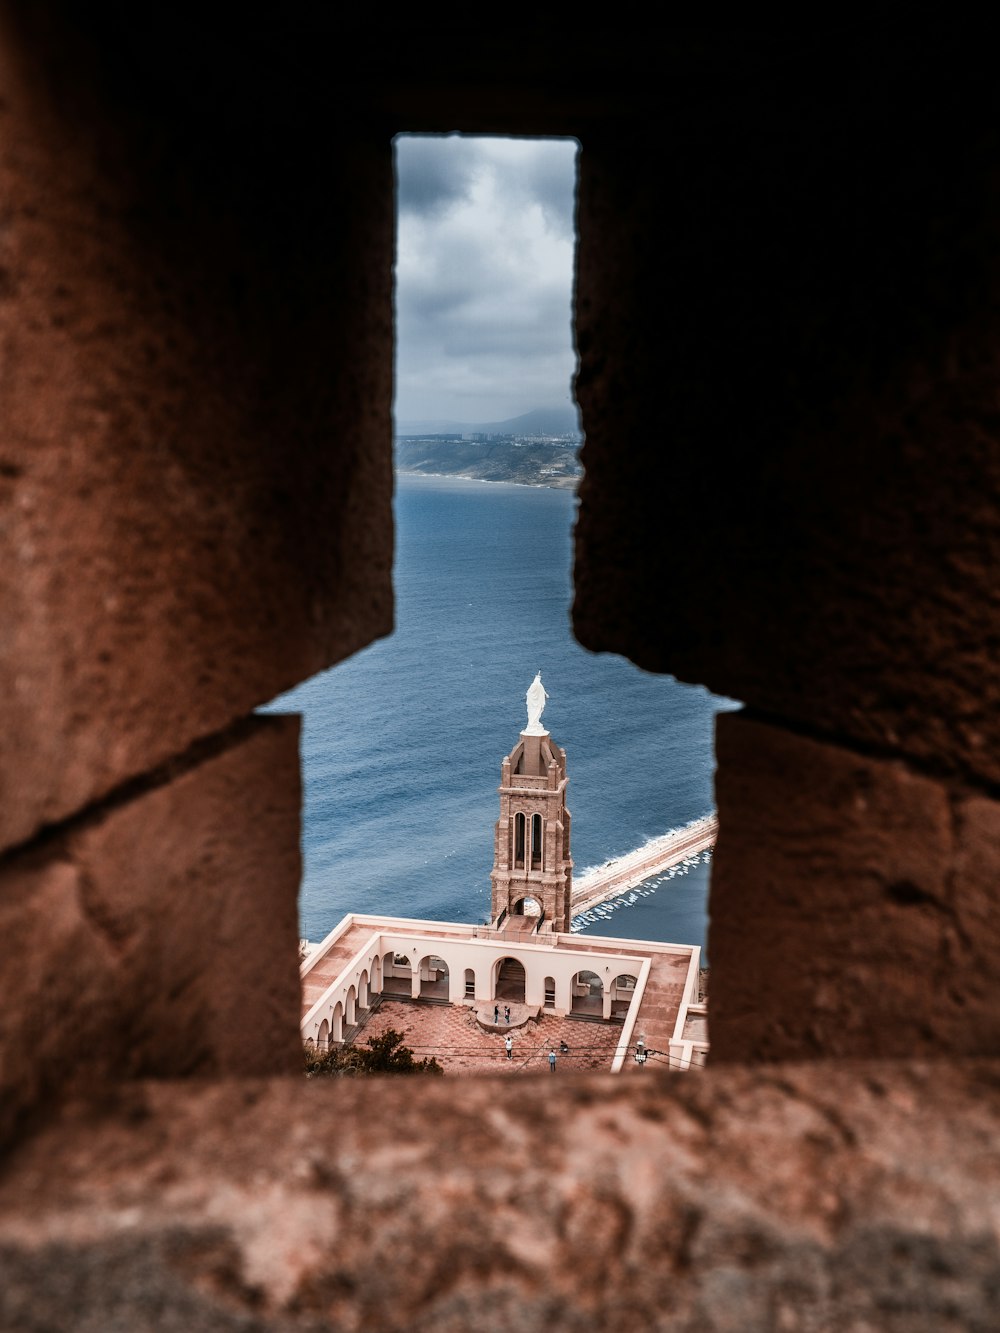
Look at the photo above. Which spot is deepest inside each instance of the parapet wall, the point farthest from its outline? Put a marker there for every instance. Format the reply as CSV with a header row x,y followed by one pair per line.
x,y
821,1196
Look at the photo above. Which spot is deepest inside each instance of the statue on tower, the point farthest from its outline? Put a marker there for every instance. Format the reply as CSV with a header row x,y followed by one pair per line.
x,y
536,697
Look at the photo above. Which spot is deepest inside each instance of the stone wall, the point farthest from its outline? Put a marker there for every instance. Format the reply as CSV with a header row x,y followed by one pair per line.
x,y
791,490
807,1197
196,515
787,337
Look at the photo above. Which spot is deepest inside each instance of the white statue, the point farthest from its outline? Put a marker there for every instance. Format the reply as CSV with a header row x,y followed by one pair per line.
x,y
536,697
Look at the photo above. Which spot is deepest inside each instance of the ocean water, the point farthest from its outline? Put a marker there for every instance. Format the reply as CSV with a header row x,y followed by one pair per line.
x,y
402,743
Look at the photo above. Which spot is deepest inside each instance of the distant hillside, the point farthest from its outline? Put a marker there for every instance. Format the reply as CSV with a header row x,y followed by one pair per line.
x,y
540,421
501,457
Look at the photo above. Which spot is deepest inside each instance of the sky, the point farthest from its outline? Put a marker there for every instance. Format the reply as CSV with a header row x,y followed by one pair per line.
x,y
484,276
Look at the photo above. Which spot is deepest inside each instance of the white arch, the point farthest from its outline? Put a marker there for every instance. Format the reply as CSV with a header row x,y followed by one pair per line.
x,y
426,963
586,982
498,966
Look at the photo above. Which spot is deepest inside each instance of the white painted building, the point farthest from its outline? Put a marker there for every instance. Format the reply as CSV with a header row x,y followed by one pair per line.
x,y
527,955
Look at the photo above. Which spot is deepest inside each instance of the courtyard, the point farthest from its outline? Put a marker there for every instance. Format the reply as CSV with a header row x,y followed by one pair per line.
x,y
453,1036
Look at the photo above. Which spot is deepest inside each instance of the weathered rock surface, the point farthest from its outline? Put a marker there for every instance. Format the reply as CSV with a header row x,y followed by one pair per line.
x,y
819,1197
115,963
818,513
853,904
196,514
785,314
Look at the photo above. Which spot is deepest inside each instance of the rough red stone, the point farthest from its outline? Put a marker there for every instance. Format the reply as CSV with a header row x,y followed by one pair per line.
x,y
786,323
800,1197
788,347
853,904
195,501
120,960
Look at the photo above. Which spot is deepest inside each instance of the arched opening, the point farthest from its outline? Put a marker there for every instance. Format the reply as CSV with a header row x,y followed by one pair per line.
x,y
622,994
433,978
337,1023
509,982
587,995
519,842
397,974
528,907
550,992
363,990
536,842
323,1038
351,1007
470,983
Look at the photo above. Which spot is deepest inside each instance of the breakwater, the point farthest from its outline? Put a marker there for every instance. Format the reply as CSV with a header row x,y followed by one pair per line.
x,y
596,886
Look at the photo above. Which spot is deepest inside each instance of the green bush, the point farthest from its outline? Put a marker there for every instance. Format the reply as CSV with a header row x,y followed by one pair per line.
x,y
384,1055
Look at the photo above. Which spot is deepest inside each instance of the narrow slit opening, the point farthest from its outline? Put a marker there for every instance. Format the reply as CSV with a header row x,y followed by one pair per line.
x,y
401,742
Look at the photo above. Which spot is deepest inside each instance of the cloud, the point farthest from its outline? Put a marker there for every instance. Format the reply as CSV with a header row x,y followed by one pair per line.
x,y
484,275
429,181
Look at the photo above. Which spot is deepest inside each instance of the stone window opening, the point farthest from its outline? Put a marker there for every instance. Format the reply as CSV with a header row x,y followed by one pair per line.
x,y
536,842
519,822
751,181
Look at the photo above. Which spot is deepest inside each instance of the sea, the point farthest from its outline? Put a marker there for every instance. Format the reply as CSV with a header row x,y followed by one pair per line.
x,y
402,743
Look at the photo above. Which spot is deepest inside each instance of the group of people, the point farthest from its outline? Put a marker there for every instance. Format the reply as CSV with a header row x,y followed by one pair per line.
x,y
509,1047
509,1040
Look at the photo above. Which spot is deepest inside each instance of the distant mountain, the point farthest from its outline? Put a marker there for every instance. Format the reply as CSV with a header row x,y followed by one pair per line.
x,y
540,421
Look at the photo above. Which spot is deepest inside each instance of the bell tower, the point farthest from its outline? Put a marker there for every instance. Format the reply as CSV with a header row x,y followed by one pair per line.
x,y
532,869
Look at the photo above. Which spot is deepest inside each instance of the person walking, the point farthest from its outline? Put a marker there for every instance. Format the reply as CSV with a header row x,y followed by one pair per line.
x,y
506,1013
510,1047
552,1062
496,1013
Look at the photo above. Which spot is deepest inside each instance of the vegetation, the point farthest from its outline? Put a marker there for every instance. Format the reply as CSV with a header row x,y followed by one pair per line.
x,y
385,1055
497,458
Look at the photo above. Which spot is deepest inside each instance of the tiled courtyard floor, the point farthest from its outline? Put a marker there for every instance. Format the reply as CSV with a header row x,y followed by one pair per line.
x,y
453,1036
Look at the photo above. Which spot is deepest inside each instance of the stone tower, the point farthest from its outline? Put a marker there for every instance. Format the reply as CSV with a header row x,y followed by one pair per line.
x,y
532,869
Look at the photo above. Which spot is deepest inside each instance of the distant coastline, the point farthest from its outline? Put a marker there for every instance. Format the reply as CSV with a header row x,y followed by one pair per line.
x,y
567,484
523,460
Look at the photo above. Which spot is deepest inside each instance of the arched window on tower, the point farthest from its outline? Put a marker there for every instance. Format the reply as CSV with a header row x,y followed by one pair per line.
x,y
536,842
519,842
